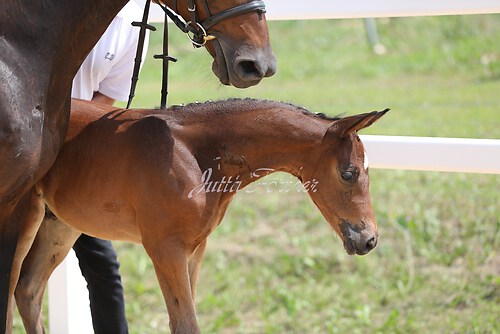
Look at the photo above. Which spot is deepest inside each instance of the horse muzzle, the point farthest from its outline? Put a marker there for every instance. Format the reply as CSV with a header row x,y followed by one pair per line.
x,y
244,68
250,71
358,238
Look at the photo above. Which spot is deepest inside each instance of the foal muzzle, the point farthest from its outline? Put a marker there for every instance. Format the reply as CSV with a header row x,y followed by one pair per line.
x,y
358,238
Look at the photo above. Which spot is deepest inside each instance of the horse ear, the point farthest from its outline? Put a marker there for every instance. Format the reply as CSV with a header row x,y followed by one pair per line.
x,y
344,126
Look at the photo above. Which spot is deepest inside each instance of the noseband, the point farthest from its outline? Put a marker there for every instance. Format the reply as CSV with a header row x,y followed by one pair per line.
x,y
196,30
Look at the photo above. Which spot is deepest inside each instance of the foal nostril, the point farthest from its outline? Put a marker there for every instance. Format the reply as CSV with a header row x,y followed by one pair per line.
x,y
370,244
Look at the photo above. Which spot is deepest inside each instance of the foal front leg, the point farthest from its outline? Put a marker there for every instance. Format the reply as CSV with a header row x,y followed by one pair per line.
x,y
27,218
194,267
170,260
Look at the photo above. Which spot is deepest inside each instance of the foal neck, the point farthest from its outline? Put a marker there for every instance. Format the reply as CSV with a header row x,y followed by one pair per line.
x,y
246,135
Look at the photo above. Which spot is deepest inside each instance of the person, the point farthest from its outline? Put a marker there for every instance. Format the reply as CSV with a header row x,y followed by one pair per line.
x,y
105,76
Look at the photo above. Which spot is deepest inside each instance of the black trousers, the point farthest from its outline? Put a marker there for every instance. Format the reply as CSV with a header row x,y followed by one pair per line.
x,y
99,266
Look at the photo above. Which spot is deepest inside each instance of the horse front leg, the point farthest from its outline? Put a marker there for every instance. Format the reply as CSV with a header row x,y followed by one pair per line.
x,y
16,237
10,230
170,260
52,243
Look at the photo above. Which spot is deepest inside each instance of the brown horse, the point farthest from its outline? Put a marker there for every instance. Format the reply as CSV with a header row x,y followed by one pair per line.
x,y
42,45
164,179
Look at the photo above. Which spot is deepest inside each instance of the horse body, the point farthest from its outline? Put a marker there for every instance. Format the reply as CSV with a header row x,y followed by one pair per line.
x,y
42,45
39,56
165,179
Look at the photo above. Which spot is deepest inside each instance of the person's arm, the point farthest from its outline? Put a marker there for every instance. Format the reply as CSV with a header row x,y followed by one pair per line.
x,y
101,98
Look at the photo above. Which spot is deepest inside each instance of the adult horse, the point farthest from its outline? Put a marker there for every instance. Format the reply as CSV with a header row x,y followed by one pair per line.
x,y
42,44
165,178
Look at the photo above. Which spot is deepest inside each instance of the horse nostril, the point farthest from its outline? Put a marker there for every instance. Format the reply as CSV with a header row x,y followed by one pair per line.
x,y
370,244
249,69
248,66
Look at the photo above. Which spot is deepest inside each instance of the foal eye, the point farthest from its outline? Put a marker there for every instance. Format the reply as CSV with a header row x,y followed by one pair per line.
x,y
347,175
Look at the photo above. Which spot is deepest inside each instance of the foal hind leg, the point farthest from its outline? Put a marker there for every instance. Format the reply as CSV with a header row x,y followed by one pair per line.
x,y
52,243
17,237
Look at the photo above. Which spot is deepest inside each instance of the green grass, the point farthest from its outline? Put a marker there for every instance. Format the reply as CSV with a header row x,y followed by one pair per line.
x,y
274,265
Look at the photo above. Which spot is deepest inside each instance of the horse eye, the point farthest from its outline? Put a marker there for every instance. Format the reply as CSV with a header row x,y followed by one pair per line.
x,y
347,175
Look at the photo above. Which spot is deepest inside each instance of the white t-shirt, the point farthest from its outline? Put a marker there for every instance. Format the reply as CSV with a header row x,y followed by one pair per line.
x,y
108,67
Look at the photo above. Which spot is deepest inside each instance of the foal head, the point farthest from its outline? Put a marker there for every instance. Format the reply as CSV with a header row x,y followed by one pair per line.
x,y
236,35
341,173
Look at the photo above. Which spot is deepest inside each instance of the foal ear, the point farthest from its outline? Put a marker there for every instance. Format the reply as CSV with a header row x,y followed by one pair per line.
x,y
344,126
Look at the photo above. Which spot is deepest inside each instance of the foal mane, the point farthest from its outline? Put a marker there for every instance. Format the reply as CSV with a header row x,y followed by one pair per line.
x,y
241,105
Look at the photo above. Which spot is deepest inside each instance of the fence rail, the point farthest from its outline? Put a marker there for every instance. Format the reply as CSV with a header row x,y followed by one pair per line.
x,y
68,303
434,154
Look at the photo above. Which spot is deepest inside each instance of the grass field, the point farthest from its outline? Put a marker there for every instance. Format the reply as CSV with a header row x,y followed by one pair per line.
x,y
274,265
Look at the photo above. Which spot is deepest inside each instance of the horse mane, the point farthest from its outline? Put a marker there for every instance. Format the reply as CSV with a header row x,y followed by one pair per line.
x,y
209,108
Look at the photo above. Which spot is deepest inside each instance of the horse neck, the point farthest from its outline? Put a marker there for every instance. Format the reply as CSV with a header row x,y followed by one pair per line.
x,y
268,139
89,20
50,39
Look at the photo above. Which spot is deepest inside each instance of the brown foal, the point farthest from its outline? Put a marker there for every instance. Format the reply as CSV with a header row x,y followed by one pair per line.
x,y
164,179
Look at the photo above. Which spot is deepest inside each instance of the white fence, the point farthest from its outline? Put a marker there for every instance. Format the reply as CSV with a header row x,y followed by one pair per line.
x,y
68,298
343,9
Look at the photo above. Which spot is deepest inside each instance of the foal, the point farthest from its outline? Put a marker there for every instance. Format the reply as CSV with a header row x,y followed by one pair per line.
x,y
165,179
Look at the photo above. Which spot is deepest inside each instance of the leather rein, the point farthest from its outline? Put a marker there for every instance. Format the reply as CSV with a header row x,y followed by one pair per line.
x,y
196,30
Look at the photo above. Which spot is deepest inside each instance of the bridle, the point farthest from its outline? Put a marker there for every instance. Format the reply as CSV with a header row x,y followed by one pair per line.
x,y
196,30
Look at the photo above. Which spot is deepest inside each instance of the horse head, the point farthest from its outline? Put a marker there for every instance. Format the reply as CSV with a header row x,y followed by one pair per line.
x,y
235,33
342,192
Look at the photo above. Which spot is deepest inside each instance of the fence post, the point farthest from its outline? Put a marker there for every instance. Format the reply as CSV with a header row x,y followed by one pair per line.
x,y
69,309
